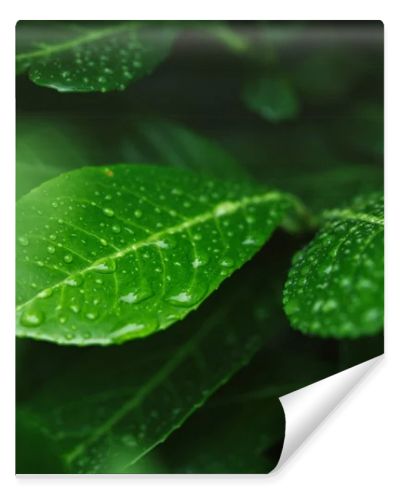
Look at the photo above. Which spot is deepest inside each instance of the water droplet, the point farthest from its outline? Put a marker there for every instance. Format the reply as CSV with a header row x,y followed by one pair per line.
x,y
291,306
75,308
189,298
51,249
108,211
116,229
224,208
91,315
144,325
249,241
161,244
329,305
227,262
138,213
23,241
32,318
75,280
68,258
106,267
62,319
47,292
139,295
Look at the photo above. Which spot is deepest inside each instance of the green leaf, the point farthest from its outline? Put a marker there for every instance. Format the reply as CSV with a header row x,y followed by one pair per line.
x,y
327,74
44,147
160,141
92,56
233,39
213,440
272,98
43,150
101,410
109,254
335,286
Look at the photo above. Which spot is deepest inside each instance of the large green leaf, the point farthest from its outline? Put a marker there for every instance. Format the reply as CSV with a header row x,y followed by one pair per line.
x,y
100,410
335,286
107,254
95,56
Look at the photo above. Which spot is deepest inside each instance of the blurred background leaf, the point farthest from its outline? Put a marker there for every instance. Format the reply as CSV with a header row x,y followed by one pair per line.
x,y
272,98
330,152
90,56
49,145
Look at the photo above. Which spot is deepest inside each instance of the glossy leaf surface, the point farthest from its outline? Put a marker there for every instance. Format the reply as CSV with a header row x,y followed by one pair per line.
x,y
102,410
108,254
90,56
335,286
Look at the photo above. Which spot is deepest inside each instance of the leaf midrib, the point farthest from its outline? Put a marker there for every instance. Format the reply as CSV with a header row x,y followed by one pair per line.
x,y
88,37
228,207
152,384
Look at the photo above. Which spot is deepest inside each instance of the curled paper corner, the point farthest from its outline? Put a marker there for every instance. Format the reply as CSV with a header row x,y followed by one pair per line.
x,y
306,408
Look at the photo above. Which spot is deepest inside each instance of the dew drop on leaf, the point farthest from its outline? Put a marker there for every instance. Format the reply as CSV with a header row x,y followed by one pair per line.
x,y
32,318
75,280
62,319
91,315
108,211
108,266
75,308
23,240
44,294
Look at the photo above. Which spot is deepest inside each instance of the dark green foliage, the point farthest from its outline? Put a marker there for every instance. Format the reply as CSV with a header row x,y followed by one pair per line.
x,y
272,98
252,126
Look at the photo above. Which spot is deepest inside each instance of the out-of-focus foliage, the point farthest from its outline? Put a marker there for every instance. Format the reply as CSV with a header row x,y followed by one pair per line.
x,y
91,56
293,106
